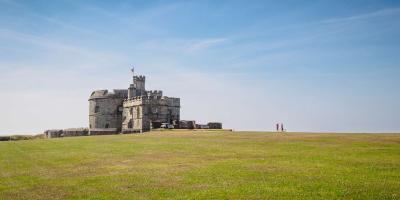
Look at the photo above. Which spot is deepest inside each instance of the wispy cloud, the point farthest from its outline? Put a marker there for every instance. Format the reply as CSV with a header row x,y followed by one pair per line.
x,y
67,50
141,20
184,45
67,25
253,48
205,44
377,13
49,19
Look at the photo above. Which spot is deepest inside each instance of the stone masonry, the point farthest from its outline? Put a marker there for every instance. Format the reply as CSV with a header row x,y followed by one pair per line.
x,y
131,110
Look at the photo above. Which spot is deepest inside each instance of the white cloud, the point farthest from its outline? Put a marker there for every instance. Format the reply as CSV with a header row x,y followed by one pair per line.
x,y
204,44
179,45
378,13
44,42
88,58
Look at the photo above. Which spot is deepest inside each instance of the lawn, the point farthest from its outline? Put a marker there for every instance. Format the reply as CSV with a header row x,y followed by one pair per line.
x,y
203,165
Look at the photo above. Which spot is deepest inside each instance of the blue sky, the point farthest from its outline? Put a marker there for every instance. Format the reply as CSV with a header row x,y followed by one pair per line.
x,y
312,65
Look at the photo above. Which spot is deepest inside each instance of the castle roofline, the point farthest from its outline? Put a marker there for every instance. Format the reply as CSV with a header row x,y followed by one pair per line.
x,y
115,93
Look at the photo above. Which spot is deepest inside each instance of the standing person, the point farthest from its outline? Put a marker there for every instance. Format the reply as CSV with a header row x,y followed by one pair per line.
x,y
282,127
277,127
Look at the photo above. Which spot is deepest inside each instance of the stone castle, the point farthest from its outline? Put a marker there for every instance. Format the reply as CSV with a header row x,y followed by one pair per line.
x,y
132,110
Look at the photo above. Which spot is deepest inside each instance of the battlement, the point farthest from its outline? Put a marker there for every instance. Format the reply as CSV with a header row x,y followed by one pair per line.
x,y
139,78
172,101
162,100
145,97
155,93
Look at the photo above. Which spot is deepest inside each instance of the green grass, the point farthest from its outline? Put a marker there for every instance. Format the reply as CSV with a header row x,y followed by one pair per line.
x,y
203,165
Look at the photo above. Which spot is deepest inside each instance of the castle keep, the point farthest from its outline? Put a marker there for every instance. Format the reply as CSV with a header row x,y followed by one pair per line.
x,y
131,110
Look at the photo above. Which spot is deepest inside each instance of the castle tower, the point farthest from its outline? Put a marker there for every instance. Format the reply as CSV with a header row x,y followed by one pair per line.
x,y
105,111
138,87
139,83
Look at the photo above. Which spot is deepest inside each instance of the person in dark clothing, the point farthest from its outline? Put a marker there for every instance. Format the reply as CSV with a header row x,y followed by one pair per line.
x,y
277,127
282,127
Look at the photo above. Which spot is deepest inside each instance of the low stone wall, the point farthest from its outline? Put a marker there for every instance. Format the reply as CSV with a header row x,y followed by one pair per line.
x,y
202,126
54,133
215,125
130,130
191,124
71,132
103,131
187,124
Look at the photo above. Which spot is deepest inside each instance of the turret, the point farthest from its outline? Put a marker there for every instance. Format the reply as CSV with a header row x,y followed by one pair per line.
x,y
138,87
139,83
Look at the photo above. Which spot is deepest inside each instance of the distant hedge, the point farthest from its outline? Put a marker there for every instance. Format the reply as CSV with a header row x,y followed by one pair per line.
x,y
21,137
5,138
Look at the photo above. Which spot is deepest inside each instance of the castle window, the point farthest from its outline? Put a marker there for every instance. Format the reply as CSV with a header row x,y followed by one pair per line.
x,y
138,112
107,126
119,110
130,124
96,109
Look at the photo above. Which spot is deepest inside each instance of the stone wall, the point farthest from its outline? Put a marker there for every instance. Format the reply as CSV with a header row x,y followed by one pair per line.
x,y
202,126
142,113
70,132
215,125
105,109
187,124
54,133
103,131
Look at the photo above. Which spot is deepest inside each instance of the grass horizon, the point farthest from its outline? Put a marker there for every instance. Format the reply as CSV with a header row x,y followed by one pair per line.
x,y
238,131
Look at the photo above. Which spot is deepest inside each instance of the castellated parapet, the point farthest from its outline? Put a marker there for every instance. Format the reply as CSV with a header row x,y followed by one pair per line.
x,y
154,93
140,78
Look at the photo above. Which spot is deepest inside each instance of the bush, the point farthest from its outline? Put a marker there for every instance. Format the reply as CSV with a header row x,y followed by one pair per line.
x,y
5,138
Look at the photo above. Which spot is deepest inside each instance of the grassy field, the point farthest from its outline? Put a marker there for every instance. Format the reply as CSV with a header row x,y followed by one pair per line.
x,y
203,165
